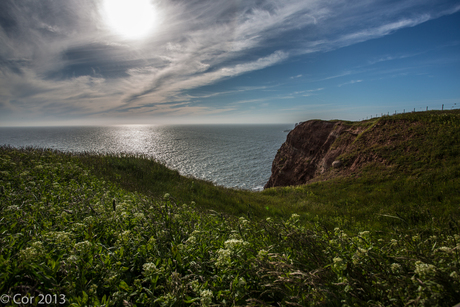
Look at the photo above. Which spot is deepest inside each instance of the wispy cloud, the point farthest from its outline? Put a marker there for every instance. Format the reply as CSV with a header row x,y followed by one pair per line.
x,y
59,58
350,82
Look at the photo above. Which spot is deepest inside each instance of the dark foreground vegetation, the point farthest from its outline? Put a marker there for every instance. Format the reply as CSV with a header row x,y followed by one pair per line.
x,y
126,231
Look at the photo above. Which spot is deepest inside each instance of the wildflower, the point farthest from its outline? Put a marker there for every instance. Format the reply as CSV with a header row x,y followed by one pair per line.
x,y
224,258
149,269
262,253
363,233
88,220
77,227
139,216
83,246
294,217
268,219
424,269
28,254
445,249
166,196
72,259
339,264
243,221
395,268
191,240
58,237
38,245
195,285
454,274
393,242
234,243
337,260
125,235
206,297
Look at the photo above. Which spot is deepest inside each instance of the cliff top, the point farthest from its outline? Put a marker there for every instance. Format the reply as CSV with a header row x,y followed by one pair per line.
x,y
319,150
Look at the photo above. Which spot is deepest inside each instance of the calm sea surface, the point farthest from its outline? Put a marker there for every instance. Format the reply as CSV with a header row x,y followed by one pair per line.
x,y
229,155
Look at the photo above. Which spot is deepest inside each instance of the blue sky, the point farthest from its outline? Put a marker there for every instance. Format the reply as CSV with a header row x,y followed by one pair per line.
x,y
224,61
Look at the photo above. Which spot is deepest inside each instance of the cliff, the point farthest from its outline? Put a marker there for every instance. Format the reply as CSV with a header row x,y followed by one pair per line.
x,y
308,152
320,150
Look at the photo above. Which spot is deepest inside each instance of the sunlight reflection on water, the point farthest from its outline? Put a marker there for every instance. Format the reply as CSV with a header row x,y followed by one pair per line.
x,y
228,155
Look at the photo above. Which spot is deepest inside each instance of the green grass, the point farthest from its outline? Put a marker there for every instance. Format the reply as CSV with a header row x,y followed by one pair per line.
x,y
100,230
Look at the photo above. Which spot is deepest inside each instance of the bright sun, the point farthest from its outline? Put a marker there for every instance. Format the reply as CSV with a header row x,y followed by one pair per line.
x,y
132,19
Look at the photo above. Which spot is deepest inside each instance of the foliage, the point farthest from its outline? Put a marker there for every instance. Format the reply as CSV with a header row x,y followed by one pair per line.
x,y
96,229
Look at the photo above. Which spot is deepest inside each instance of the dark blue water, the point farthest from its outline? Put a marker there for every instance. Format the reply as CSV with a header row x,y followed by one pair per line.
x,y
237,156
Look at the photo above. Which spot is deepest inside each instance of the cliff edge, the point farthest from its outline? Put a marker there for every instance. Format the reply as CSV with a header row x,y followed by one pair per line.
x,y
308,152
319,150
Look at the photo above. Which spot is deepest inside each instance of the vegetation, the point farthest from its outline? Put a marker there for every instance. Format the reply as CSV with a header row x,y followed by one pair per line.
x,y
127,231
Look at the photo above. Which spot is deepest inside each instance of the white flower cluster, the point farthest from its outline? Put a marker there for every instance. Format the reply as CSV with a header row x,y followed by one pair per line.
x,y
150,269
339,264
225,254
13,208
224,258
234,243
139,215
59,237
243,221
30,253
395,268
206,297
83,246
191,240
293,219
445,249
359,254
424,269
89,220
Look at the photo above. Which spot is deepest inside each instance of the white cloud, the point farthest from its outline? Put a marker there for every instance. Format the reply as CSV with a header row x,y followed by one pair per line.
x,y
198,43
350,82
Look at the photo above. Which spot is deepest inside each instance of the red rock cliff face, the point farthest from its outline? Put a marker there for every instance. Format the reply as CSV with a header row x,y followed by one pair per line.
x,y
307,152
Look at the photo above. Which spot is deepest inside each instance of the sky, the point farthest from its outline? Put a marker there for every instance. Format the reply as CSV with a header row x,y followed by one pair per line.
x,y
105,62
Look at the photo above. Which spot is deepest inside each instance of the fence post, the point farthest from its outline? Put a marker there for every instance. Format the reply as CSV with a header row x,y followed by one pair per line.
x,y
427,108
442,108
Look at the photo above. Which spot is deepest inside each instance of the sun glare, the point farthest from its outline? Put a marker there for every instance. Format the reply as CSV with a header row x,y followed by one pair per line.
x,y
132,19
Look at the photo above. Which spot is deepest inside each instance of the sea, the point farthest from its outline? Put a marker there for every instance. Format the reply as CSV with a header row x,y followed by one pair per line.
x,y
234,156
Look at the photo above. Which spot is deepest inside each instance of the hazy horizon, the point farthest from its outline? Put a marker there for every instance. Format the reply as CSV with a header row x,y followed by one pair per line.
x,y
112,62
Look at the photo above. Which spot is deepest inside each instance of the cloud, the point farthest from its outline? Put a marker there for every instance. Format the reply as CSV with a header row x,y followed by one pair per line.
x,y
350,82
61,58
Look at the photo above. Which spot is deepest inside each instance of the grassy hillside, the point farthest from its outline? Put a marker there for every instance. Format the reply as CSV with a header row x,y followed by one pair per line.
x,y
126,231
